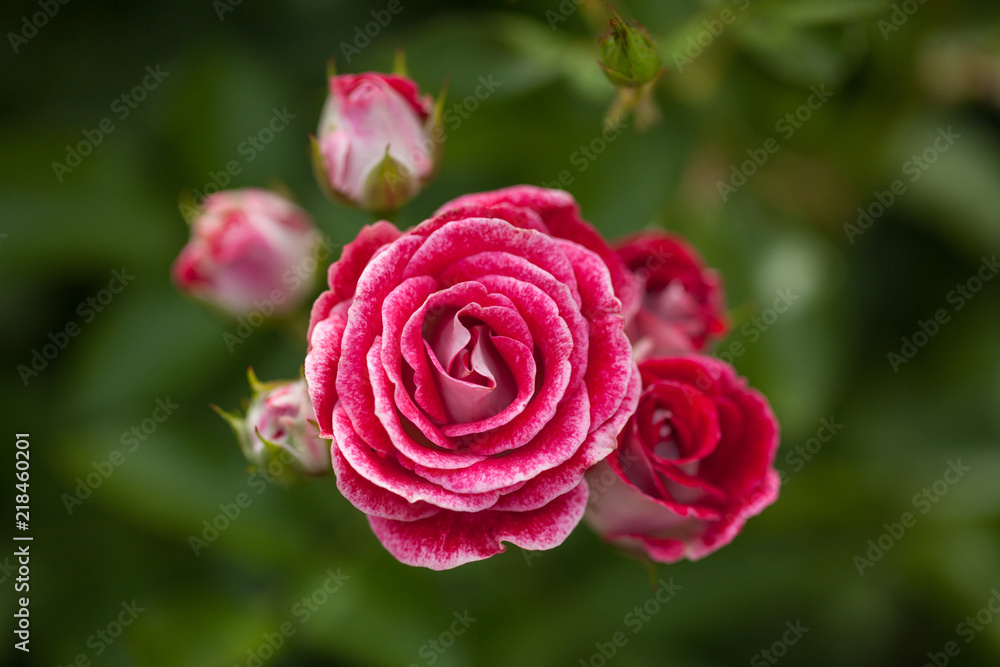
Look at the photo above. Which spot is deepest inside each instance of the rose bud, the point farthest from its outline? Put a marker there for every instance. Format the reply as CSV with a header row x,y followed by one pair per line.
x,y
375,147
628,54
683,302
693,463
250,250
279,433
470,371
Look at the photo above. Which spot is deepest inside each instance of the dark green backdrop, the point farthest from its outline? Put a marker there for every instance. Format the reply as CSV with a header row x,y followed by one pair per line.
x,y
888,84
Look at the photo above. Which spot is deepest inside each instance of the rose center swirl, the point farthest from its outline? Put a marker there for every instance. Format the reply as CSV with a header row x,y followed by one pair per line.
x,y
472,378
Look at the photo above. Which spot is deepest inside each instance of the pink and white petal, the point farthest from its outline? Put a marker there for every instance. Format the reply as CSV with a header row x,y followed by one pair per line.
x,y
560,438
387,398
343,275
388,474
449,539
561,214
321,365
364,324
519,217
403,314
609,366
374,500
555,346
488,268
461,238
598,446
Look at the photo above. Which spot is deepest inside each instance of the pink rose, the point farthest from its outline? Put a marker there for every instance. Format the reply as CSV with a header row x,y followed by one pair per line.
x,y
374,146
470,371
693,463
279,433
683,305
282,417
243,244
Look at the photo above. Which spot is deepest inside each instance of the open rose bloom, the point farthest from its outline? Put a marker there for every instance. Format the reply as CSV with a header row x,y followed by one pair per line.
x,y
244,246
374,146
470,371
683,303
694,462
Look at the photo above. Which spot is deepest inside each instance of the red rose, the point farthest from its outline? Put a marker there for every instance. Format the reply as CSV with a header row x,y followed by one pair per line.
x,y
693,463
683,304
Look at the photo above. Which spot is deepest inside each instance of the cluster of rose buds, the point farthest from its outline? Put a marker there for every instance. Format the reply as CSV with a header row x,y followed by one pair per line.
x,y
499,372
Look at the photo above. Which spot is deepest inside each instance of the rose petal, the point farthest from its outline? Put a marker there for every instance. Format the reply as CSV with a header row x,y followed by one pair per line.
x,y
449,539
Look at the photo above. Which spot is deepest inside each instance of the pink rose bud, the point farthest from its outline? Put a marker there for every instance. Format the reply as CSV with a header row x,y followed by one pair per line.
x,y
683,303
250,250
374,146
279,433
693,463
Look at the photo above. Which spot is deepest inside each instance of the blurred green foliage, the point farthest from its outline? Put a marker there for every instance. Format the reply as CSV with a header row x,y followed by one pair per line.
x,y
896,75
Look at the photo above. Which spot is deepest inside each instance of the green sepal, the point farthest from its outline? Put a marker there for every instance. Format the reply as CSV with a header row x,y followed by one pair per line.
x,y
399,63
628,55
238,424
389,185
435,130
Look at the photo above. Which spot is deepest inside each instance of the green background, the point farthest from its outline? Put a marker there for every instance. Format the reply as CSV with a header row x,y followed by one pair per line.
x,y
826,357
